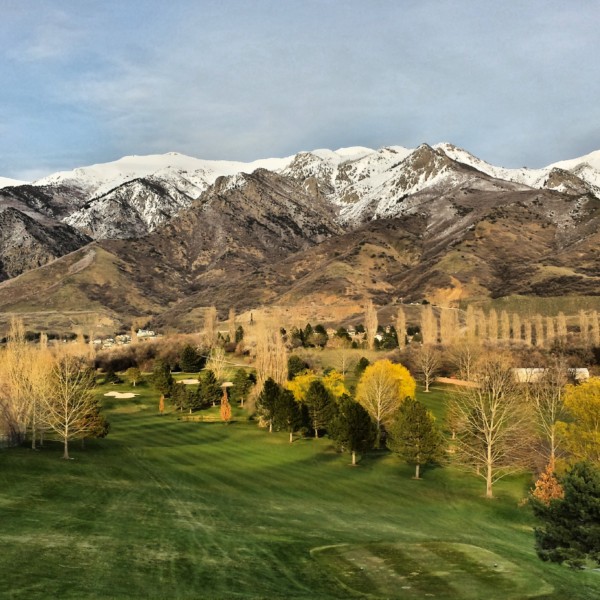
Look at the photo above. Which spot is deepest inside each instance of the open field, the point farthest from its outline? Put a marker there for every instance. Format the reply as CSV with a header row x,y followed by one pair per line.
x,y
170,509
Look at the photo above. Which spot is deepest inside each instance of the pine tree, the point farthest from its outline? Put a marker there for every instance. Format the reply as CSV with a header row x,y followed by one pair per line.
x,y
288,414
162,378
242,385
570,530
209,390
320,406
267,401
190,360
414,436
352,428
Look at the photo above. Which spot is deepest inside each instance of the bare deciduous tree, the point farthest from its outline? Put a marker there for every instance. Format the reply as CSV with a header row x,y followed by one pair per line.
x,y
210,326
547,399
482,325
504,326
449,326
516,328
345,358
401,328
217,362
429,325
371,324
67,408
426,360
492,437
493,326
271,357
471,323
561,327
584,328
539,331
527,332
231,324
550,330
595,328
464,357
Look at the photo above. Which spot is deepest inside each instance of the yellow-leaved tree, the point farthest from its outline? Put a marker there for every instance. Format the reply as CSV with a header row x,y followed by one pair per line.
x,y
381,390
581,436
333,382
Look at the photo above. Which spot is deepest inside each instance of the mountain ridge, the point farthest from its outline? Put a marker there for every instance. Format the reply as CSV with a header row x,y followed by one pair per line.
x,y
325,229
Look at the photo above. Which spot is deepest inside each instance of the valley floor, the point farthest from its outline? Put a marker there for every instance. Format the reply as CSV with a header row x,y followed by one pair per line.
x,y
171,509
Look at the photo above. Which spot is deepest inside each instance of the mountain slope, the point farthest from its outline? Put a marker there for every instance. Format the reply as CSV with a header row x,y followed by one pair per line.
x,y
27,243
328,230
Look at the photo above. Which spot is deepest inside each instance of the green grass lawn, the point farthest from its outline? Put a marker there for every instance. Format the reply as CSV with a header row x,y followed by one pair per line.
x,y
171,509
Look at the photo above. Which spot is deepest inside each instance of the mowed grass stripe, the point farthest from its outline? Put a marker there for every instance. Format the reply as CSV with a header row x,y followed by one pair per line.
x,y
164,508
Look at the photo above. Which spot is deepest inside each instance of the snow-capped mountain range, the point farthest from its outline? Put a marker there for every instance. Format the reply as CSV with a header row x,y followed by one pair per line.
x,y
136,194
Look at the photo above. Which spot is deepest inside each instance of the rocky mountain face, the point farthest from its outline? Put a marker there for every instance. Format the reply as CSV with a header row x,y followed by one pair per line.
x,y
27,243
174,233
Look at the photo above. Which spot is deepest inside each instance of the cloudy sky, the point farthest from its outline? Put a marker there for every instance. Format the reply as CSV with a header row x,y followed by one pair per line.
x,y
87,81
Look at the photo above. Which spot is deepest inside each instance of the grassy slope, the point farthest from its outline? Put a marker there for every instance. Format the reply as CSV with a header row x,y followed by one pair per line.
x,y
167,509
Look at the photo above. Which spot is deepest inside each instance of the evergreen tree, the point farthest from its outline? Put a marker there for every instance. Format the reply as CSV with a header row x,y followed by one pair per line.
x,y
239,334
319,336
308,335
209,390
111,376
267,401
362,364
94,424
288,414
162,378
295,366
352,428
414,435
242,384
571,525
183,398
320,406
191,360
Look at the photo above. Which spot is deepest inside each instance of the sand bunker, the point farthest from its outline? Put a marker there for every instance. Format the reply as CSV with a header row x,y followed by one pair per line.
x,y
121,394
189,381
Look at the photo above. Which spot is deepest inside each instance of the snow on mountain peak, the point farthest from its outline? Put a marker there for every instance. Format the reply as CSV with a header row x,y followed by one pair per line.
x,y
7,182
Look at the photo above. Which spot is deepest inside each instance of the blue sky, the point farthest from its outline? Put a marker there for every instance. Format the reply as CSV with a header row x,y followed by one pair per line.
x,y
87,81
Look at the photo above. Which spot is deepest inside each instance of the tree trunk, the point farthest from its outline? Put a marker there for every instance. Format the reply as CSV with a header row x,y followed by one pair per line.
x,y
33,432
66,449
291,436
417,471
488,481
426,387
353,458
270,426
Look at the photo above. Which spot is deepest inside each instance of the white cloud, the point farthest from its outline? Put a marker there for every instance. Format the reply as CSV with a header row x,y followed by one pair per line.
x,y
54,38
